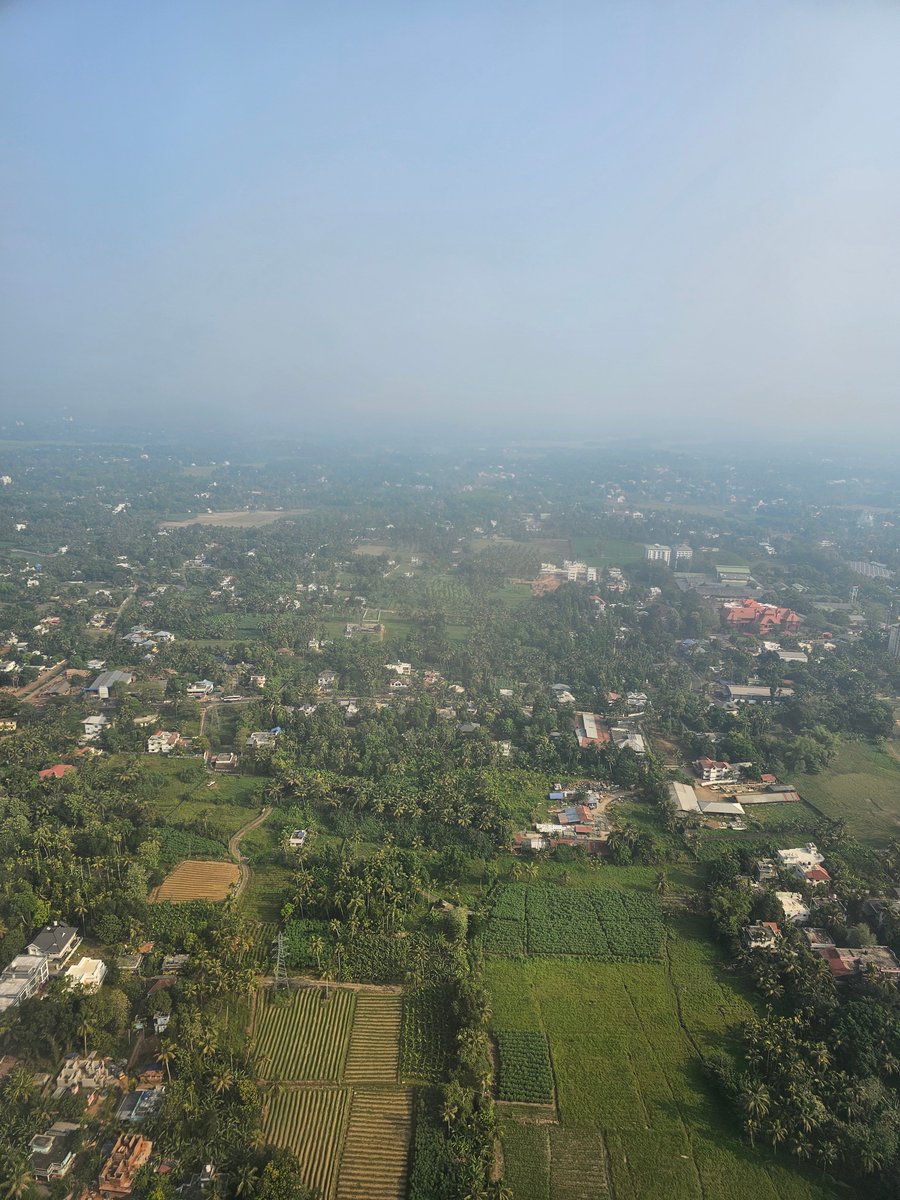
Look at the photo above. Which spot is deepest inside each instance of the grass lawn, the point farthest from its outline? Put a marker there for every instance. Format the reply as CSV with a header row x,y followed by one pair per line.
x,y
220,803
861,787
626,1041
606,552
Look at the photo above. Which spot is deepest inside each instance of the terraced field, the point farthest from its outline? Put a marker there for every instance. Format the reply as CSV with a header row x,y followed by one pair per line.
x,y
304,1037
310,1122
376,1150
375,1039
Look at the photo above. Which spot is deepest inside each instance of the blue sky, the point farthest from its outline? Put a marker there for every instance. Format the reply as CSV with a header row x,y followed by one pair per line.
x,y
573,216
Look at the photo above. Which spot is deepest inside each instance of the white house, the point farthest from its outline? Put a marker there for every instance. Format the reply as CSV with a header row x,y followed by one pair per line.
x,y
93,727
87,974
262,739
164,741
712,770
795,910
297,839
806,857
399,668
22,978
201,689
327,679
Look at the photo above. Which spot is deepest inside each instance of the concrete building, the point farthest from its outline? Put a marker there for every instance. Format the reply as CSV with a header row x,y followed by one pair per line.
x,y
87,974
22,978
52,1153
164,741
656,553
894,640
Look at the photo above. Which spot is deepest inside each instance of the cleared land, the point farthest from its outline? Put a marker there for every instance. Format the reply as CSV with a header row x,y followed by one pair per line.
x,y
304,1037
626,1040
235,519
374,1051
311,1122
193,880
861,787
376,1150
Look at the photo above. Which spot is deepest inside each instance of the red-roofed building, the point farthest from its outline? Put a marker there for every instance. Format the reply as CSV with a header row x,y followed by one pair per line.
x,y
712,770
753,616
817,875
55,772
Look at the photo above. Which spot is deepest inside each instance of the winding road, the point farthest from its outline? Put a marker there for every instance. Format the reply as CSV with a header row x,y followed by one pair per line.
x,y
234,849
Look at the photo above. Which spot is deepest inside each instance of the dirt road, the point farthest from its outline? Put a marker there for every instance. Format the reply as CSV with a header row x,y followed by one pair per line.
x,y
234,848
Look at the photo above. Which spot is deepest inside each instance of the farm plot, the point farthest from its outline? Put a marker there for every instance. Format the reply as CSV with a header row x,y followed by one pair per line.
x,y
598,923
376,1149
424,1047
303,1037
525,1071
577,1165
194,880
311,1123
374,1050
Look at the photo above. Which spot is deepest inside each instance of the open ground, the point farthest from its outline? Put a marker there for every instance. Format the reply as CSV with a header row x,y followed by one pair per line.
x,y
239,519
862,787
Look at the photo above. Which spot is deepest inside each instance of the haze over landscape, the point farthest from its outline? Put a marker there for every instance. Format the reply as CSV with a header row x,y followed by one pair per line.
x,y
577,218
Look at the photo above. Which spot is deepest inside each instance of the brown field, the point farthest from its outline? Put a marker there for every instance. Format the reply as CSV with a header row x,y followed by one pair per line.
x,y
373,550
194,880
236,520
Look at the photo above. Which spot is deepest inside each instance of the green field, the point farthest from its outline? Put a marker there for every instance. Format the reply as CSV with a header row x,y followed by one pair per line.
x,y
546,920
861,787
214,805
626,1041
306,1037
606,552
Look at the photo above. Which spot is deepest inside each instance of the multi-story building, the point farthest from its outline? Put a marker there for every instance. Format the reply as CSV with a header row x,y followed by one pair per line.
x,y
894,641
658,553
22,978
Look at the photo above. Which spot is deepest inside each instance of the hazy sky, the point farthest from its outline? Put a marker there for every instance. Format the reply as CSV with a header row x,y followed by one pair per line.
x,y
580,216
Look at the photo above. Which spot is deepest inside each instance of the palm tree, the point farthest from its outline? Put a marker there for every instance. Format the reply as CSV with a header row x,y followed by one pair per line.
x,y
85,1030
755,1102
245,1182
317,945
15,1178
167,1055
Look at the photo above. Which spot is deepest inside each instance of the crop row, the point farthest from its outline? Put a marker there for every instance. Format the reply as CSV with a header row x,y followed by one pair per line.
x,y
424,1049
593,923
311,1123
525,1071
303,1036
374,1051
376,1150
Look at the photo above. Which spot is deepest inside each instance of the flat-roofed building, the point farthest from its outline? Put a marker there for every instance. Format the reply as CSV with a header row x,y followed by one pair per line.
x,y
21,979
